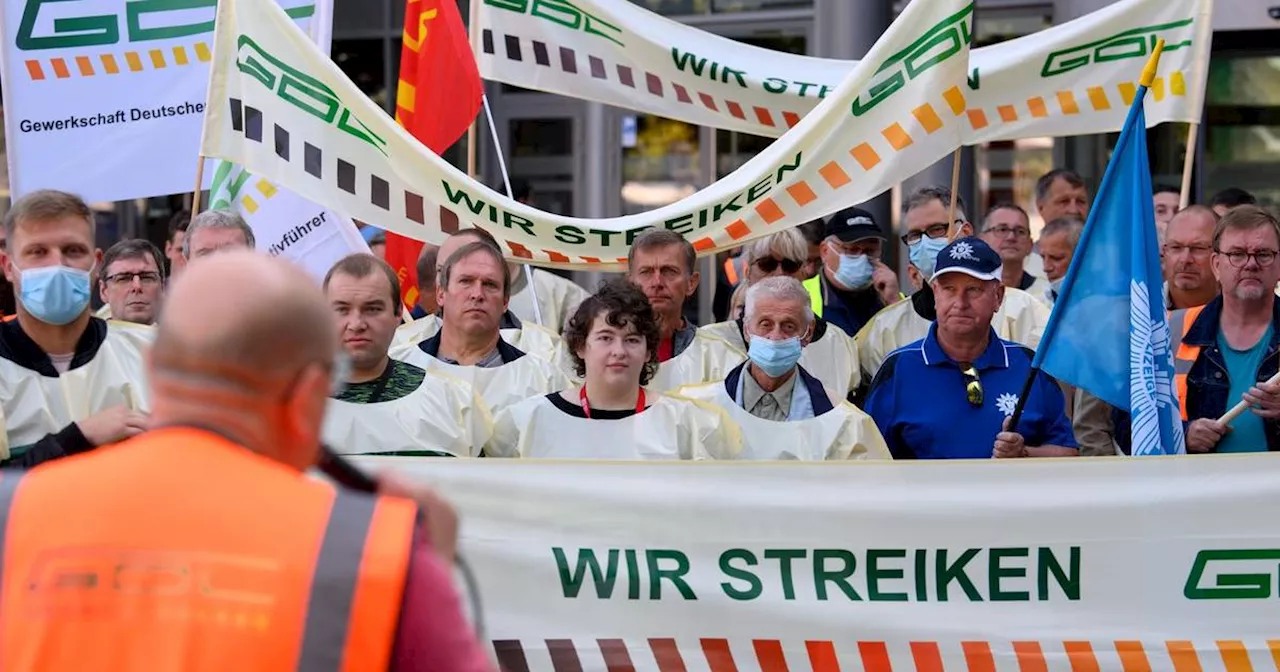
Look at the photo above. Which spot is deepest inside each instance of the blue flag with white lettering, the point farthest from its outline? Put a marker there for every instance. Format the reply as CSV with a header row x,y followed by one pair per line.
x,y
1108,333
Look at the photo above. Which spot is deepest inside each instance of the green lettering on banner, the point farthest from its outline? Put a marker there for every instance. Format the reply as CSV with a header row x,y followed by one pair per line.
x,y
302,90
784,556
876,573
721,208
997,572
687,58
754,586
632,234
571,583
570,235
775,85
678,224
759,189
1253,585
922,575
822,576
788,167
510,219
943,41
104,29
676,575
955,572
562,13
1068,580
1133,43
975,80
456,197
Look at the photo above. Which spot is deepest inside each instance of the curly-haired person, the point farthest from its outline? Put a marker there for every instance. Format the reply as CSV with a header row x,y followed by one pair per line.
x,y
613,340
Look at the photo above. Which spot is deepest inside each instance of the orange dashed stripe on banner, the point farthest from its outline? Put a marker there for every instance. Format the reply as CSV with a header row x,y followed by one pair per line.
x,y
704,244
719,657
85,65
737,230
1067,100
822,656
1008,113
1038,109
1081,656
866,156
1128,90
875,656
897,136
802,193
927,117
1274,646
769,654
978,656
1235,657
1098,99
1132,657
1157,88
834,175
977,119
955,100
769,211
1183,655
927,656
1030,657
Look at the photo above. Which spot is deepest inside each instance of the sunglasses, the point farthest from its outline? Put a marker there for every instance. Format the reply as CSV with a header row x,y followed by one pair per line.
x,y
769,265
972,386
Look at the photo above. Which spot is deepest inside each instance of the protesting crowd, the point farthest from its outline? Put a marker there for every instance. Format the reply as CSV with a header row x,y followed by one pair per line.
x,y
821,355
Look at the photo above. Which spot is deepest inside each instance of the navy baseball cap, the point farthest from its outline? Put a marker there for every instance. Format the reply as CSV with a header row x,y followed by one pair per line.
x,y
971,256
852,224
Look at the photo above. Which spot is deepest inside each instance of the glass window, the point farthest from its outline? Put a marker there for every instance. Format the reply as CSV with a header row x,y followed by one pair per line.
x,y
1242,141
542,158
361,15
364,62
660,162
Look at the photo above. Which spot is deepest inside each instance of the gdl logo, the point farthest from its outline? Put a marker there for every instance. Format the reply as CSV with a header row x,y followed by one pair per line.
x,y
68,24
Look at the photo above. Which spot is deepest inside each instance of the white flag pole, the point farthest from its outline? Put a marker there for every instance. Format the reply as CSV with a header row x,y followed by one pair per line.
x,y
506,182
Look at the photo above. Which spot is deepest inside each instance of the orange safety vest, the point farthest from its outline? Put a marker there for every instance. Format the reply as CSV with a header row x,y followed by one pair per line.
x,y
1184,356
731,271
179,550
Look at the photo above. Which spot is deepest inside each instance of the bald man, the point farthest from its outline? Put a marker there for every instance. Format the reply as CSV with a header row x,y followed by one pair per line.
x,y
241,371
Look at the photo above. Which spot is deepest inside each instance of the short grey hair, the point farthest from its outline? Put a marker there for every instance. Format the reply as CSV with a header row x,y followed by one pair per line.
x,y
926,195
781,288
477,247
1071,226
786,244
217,219
1045,183
663,238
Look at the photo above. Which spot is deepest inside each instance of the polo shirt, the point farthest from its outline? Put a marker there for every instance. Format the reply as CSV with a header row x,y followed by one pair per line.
x,y
918,401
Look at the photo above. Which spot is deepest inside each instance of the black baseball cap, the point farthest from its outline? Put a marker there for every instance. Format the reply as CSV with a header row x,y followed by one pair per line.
x,y
853,224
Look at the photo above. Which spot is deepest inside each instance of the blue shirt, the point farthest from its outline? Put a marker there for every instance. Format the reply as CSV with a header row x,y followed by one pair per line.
x,y
918,400
1247,434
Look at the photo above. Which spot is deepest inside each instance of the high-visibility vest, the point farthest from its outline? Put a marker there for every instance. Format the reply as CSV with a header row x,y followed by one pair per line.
x,y
1185,355
179,550
731,270
814,287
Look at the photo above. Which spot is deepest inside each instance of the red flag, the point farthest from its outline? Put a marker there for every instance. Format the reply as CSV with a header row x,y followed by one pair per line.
x,y
438,96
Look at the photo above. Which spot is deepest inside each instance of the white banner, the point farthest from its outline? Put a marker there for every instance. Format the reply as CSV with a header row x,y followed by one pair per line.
x,y
285,224
1077,77
285,112
105,98
1165,564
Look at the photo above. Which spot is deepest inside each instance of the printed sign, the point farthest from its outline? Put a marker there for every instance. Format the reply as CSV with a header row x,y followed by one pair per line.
x,y
105,98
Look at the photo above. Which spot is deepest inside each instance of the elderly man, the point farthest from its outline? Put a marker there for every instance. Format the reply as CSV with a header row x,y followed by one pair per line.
x,y
68,381
214,231
389,406
783,410
951,394
218,494
131,281
528,337
1007,229
830,354
662,264
1227,348
1061,193
854,284
1058,240
473,291
1020,318
1188,258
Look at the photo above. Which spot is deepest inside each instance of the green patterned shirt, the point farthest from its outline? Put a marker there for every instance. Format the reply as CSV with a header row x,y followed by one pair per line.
x,y
399,380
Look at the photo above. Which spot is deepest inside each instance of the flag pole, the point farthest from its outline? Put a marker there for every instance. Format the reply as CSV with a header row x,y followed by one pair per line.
x,y
506,182
473,23
195,194
1148,76
1184,195
952,229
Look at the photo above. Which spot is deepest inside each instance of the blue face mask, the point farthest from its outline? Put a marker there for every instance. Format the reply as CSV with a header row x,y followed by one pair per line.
x,y
924,254
854,271
774,357
54,295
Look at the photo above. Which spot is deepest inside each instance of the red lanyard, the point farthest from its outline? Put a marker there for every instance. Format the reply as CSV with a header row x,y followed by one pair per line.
x,y
586,405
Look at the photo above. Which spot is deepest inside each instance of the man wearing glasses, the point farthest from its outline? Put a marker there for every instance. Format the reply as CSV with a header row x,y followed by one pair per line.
x,y
132,282
1007,229
1187,256
1020,318
855,285
950,395
1226,349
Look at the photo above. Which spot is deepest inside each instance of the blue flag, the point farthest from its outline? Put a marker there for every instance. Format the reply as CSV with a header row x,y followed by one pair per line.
x,y
1108,333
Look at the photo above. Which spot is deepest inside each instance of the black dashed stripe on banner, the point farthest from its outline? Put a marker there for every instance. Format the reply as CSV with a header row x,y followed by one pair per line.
x,y
486,38
540,55
312,161
380,192
513,48
346,177
237,115
282,143
253,123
